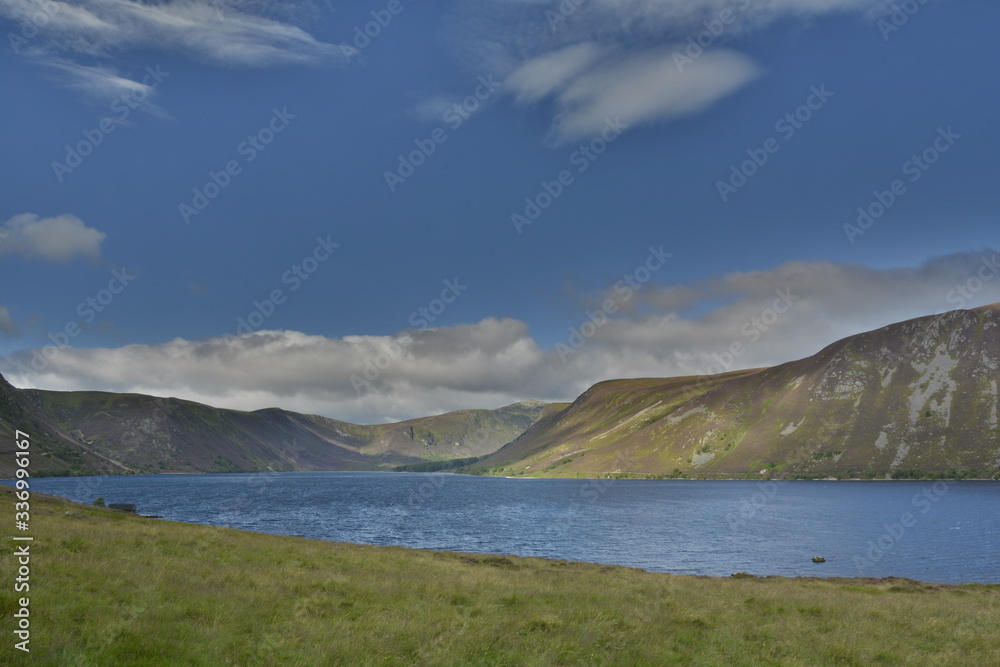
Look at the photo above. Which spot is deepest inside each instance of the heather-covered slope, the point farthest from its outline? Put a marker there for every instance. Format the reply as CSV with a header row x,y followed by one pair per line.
x,y
600,418
170,435
149,434
51,448
912,398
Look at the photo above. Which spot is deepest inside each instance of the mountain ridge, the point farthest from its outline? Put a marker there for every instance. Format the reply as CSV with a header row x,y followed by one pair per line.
x,y
912,398
110,433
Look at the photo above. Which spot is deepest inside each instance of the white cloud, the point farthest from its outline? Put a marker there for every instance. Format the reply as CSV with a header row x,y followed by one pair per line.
x,y
596,58
58,239
829,301
673,18
103,85
432,109
639,87
229,34
551,72
221,33
484,364
497,361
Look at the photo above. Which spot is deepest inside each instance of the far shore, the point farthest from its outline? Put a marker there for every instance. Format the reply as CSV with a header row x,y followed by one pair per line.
x,y
643,477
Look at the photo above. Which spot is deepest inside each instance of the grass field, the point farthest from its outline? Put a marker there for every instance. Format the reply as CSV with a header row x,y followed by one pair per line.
x,y
112,589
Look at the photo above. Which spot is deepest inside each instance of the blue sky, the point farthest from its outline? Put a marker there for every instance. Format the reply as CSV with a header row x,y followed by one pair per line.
x,y
161,97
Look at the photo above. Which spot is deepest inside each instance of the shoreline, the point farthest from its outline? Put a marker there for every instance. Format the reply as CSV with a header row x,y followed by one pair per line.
x,y
716,577
722,577
111,588
588,476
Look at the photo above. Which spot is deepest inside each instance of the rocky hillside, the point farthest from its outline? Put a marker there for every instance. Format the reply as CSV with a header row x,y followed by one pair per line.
x,y
51,448
910,399
99,432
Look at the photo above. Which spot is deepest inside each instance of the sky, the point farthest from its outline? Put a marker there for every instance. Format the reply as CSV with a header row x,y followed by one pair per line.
x,y
383,210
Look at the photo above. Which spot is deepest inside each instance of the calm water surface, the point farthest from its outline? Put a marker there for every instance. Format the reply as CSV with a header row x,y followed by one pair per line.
x,y
939,532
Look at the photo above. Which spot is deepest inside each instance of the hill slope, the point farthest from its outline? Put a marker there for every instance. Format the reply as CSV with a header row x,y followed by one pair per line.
x,y
148,434
908,399
54,449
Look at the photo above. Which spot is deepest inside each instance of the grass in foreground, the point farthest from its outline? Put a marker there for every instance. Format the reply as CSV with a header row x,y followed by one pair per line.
x,y
112,589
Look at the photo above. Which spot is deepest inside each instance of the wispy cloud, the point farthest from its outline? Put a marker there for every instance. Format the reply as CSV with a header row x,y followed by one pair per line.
x,y
60,238
497,361
229,34
433,108
614,57
590,84
550,73
101,84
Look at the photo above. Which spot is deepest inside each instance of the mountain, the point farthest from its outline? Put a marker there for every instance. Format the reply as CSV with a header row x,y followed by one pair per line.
x,y
911,399
102,433
51,448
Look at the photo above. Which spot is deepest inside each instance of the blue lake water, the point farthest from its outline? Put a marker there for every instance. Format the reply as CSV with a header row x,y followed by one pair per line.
x,y
937,532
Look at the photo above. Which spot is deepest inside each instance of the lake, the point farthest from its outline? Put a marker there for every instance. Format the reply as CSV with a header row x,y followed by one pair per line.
x,y
932,531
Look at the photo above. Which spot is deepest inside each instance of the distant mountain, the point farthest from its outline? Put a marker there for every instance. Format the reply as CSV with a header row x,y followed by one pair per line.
x,y
103,433
910,399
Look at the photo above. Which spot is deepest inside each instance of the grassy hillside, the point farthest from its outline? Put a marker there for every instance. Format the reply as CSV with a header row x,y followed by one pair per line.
x,y
58,450
913,399
459,434
917,398
170,435
152,435
112,589
597,422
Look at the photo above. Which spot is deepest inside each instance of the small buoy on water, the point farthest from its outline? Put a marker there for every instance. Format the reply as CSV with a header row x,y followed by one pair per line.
x,y
819,559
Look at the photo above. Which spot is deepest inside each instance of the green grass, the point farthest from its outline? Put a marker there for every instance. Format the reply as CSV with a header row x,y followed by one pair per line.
x,y
112,589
